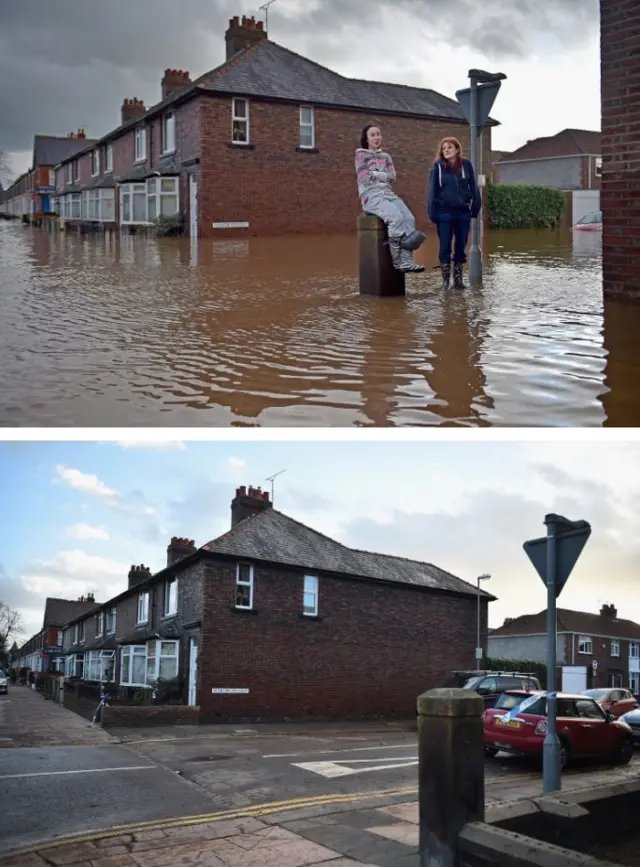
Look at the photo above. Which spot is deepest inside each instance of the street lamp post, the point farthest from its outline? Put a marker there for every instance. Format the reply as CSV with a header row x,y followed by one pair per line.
x,y
479,652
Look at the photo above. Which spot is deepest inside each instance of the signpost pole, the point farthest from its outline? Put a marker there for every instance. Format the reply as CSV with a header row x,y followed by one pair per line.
x,y
551,771
475,255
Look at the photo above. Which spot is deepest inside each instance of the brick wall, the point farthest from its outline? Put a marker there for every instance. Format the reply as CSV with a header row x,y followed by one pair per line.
x,y
280,190
372,650
150,715
620,52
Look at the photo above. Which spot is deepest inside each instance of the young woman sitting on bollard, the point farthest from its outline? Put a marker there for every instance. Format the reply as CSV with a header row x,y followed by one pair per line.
x,y
376,175
453,199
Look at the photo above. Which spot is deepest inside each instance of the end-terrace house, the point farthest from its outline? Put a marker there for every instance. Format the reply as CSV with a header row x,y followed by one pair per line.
x,y
33,194
274,619
263,144
603,648
44,650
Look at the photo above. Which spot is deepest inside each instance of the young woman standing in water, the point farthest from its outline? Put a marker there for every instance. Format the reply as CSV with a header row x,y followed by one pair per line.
x,y
376,175
453,200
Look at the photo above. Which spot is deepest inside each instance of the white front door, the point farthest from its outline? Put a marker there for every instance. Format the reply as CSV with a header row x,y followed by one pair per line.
x,y
193,671
193,206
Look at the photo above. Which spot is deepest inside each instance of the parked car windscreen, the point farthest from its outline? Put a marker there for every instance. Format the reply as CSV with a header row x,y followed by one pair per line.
x,y
598,694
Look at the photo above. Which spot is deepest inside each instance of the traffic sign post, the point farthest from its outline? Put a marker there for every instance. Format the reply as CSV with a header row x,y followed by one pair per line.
x,y
554,557
476,103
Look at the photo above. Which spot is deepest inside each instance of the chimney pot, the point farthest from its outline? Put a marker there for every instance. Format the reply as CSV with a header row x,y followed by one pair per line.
x,y
243,34
178,548
131,109
247,503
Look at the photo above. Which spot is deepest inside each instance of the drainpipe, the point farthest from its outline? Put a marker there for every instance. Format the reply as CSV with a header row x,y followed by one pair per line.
x,y
590,167
573,648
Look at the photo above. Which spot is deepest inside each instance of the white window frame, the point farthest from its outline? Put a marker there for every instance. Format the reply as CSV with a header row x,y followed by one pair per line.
x,y
143,608
73,660
241,583
77,171
95,162
131,651
615,647
238,119
598,167
310,593
585,645
634,650
111,614
157,650
70,172
634,682
308,126
59,638
76,633
153,191
83,631
108,159
52,177
170,598
169,126
99,624
140,144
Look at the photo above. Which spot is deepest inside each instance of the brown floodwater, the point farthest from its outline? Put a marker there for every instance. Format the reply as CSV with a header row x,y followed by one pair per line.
x,y
123,330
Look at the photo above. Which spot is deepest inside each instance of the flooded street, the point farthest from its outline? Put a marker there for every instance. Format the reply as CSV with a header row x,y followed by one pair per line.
x,y
111,330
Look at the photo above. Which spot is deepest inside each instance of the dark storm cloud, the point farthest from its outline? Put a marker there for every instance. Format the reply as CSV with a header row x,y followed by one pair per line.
x,y
66,64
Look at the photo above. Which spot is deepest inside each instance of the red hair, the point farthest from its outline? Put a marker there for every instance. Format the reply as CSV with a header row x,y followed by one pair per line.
x,y
458,157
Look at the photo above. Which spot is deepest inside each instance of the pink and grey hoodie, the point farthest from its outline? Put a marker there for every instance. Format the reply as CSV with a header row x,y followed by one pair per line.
x,y
374,171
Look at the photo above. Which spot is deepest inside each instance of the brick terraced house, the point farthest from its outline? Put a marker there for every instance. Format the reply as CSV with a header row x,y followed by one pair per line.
x,y
274,620
263,144
33,193
44,650
612,642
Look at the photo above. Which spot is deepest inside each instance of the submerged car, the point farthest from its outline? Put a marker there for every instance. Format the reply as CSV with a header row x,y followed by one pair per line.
x,y
584,729
590,223
632,719
614,700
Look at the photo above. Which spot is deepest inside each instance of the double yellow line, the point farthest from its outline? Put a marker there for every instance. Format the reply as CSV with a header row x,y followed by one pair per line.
x,y
253,811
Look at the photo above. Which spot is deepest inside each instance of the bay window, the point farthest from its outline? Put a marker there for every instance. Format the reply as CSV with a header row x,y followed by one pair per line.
x,y
75,665
75,210
132,665
162,660
99,665
142,203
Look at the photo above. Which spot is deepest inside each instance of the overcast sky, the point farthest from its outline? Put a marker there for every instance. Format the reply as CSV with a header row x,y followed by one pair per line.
x,y
81,514
67,64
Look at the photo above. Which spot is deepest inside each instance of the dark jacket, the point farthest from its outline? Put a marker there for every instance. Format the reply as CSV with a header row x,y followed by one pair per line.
x,y
452,194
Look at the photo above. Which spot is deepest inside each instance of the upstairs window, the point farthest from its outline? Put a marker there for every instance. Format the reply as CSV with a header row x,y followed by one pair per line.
x,y
615,647
169,133
585,645
307,127
70,173
140,144
240,121
111,621
310,596
109,159
244,586
598,167
170,597
143,607
95,162
99,623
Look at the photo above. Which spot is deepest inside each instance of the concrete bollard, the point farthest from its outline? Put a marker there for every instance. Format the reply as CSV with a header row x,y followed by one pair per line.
x,y
450,771
377,274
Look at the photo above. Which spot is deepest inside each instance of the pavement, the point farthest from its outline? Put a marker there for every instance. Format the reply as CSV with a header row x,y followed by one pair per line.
x,y
265,796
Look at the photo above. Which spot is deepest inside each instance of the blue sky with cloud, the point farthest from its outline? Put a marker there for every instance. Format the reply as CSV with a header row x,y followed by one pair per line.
x,y
77,515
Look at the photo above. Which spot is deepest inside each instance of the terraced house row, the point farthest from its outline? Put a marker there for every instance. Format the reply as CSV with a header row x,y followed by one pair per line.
x,y
251,146
274,620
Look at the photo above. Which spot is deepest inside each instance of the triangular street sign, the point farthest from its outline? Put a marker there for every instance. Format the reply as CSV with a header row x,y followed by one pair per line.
x,y
569,546
486,97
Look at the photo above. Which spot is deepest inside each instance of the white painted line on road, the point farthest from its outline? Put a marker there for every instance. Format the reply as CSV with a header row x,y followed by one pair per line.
x,y
409,746
80,771
333,769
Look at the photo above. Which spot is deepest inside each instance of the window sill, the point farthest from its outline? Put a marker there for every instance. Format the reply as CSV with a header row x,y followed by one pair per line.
x,y
171,616
309,616
168,153
301,150
142,623
240,145
139,162
238,610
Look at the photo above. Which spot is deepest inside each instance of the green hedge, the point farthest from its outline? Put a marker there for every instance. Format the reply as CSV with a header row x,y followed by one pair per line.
x,y
522,206
538,669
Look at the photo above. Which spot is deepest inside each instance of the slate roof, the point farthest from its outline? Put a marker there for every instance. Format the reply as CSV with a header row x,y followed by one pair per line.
x,y
269,70
273,537
58,612
568,142
580,622
49,150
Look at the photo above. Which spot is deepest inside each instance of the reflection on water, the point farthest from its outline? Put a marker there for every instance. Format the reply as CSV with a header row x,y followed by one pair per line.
x,y
131,331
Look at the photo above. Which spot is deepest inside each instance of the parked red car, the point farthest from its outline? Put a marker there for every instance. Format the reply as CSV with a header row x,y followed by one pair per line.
x,y
590,223
583,727
615,701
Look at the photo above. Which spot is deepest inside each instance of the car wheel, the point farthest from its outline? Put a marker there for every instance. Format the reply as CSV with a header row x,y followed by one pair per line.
x,y
565,754
623,752
490,752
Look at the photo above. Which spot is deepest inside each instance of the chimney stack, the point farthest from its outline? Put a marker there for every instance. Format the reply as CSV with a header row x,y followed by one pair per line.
x,y
609,611
81,134
179,548
132,108
137,574
91,597
243,34
173,81
247,503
